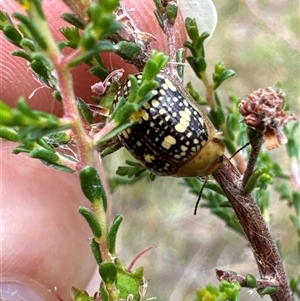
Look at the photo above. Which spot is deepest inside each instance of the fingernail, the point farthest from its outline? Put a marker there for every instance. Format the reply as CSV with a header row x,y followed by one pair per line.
x,y
24,291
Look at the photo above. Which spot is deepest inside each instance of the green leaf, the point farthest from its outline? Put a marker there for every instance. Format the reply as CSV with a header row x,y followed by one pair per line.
x,y
36,131
127,50
229,145
102,46
296,222
158,16
58,138
122,113
267,291
4,19
34,30
26,110
198,64
252,181
84,110
180,57
251,281
129,282
217,116
12,34
103,292
158,4
40,69
87,41
154,65
72,19
108,272
91,185
110,149
79,295
112,234
92,221
192,29
109,6
43,143
225,75
103,22
295,285
8,133
37,6
28,45
23,148
196,96
134,89
72,34
172,11
117,130
296,201
130,171
22,54
45,155
58,167
96,251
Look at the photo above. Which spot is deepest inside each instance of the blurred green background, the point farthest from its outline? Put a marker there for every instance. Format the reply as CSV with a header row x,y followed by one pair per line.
x,y
260,41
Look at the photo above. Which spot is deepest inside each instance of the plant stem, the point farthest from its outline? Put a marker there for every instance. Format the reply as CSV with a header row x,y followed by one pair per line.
x,y
83,141
210,97
264,248
256,146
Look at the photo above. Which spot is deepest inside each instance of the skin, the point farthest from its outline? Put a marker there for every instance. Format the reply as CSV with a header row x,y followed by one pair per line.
x,y
44,240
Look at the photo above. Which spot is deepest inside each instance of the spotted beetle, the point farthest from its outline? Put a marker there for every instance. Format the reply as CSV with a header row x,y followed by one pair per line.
x,y
174,136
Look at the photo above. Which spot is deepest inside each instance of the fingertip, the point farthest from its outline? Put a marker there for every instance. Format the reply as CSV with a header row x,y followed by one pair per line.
x,y
24,290
45,237
142,12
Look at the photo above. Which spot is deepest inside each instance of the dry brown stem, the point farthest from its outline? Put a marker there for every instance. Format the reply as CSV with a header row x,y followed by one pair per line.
x,y
264,248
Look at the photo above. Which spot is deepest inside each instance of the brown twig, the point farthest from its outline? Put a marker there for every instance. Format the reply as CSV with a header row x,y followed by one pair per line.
x,y
264,248
256,146
242,280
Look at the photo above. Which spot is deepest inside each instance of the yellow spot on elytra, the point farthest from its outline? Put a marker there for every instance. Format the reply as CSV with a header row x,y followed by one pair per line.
x,y
183,148
168,142
184,121
180,127
145,115
146,105
139,114
203,142
170,85
139,143
149,158
154,103
162,92
125,135
164,86
162,111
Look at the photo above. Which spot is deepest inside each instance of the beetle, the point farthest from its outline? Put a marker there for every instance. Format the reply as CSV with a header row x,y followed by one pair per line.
x,y
174,136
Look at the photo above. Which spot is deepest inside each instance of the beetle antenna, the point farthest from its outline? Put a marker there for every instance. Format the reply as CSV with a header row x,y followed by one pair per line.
x,y
199,197
244,146
206,178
